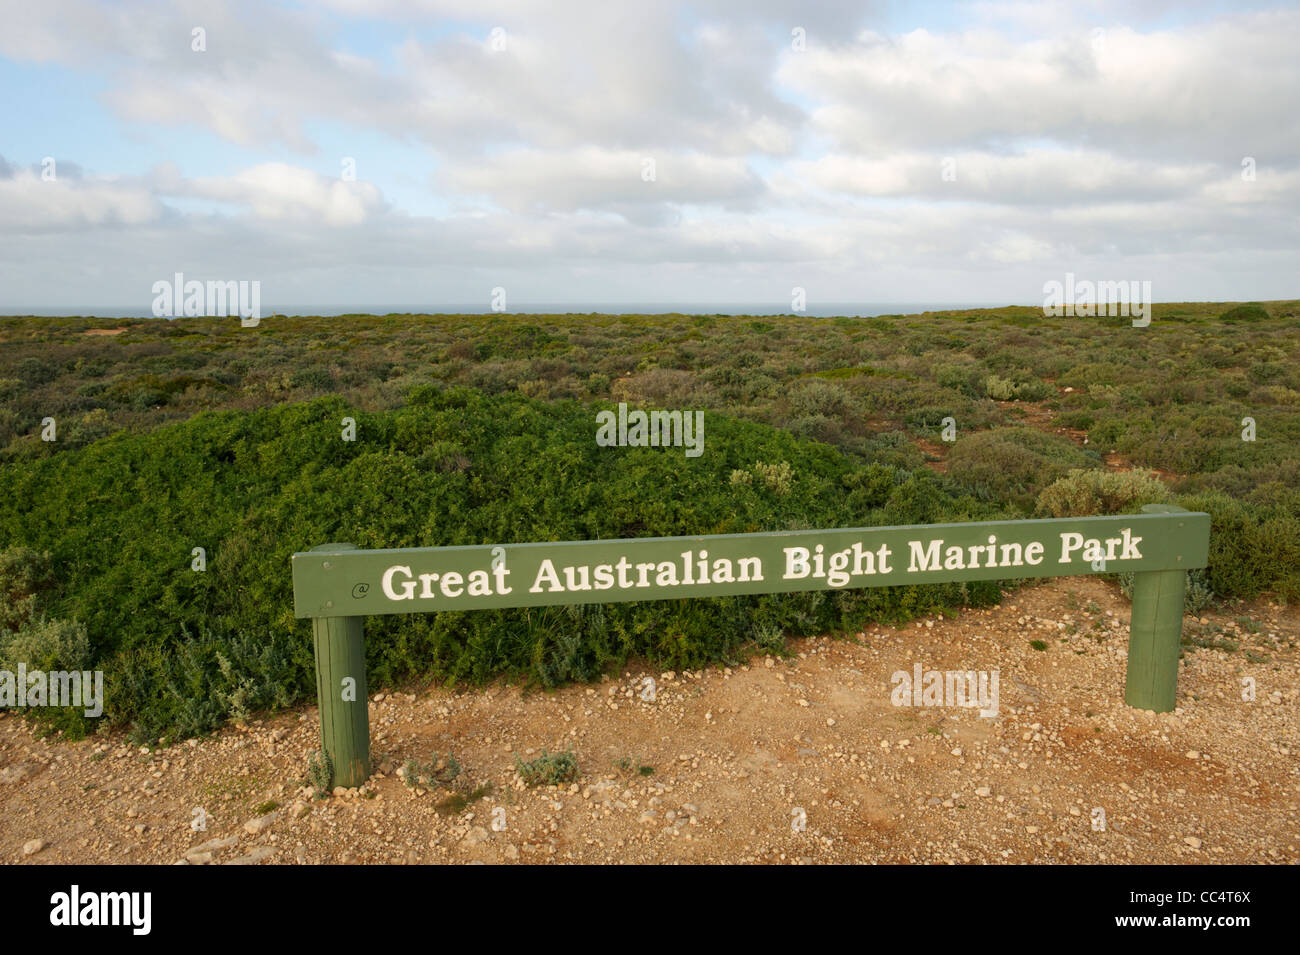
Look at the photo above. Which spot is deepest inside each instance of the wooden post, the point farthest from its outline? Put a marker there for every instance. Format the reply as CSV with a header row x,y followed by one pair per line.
x,y
1155,633
341,690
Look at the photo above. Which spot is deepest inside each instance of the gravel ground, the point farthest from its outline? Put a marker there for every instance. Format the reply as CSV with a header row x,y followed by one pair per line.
x,y
797,760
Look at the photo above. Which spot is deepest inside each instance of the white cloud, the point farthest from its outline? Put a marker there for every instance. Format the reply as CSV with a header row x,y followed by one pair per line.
x,y
533,180
772,167
276,192
29,203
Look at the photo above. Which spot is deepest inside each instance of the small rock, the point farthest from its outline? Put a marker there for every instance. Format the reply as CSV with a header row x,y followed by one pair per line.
x,y
213,845
261,823
254,857
1193,842
14,774
33,846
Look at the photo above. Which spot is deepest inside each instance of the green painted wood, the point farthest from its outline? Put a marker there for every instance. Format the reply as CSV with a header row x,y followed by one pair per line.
x,y
341,693
336,585
419,580
1155,634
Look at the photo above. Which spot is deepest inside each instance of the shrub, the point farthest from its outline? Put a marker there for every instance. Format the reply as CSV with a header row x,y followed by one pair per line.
x,y
51,645
777,478
1003,389
45,644
439,770
548,769
185,651
320,773
1251,548
25,574
1249,312
1197,593
818,427
1013,464
1083,493
823,398
312,378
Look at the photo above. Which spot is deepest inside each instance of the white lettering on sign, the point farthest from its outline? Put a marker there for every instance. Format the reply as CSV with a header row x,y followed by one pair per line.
x,y
399,583
1092,548
836,568
976,556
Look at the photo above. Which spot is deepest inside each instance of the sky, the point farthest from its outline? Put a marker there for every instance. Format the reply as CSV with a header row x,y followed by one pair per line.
x,y
371,152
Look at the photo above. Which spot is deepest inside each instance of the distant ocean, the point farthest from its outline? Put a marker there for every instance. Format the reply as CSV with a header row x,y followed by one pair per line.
x,y
851,309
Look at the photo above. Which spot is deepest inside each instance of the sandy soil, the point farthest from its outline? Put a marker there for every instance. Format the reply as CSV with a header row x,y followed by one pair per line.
x,y
734,760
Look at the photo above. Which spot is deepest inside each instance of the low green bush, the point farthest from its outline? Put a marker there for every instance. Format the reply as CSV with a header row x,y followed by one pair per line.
x,y
1249,312
1013,464
548,769
183,651
1084,493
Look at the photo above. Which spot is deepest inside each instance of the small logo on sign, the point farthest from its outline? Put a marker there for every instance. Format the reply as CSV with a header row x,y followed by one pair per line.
x,y
360,590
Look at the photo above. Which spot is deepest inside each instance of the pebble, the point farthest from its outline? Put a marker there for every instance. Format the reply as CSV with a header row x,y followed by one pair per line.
x,y
261,823
257,855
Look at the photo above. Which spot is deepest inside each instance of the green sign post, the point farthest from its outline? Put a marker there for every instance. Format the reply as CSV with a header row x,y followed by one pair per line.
x,y
336,585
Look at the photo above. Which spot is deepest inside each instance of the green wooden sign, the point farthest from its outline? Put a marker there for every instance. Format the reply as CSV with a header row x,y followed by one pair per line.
x,y
419,580
336,585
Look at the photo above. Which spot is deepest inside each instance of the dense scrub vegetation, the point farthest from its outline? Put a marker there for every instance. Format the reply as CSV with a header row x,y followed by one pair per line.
x,y
183,650
479,429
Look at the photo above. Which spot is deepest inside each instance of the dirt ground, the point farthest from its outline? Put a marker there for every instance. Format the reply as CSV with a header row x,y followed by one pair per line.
x,y
797,760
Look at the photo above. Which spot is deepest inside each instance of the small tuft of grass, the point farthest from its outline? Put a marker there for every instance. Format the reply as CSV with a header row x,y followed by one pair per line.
x,y
261,809
455,804
548,769
1038,644
320,770
439,770
631,764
